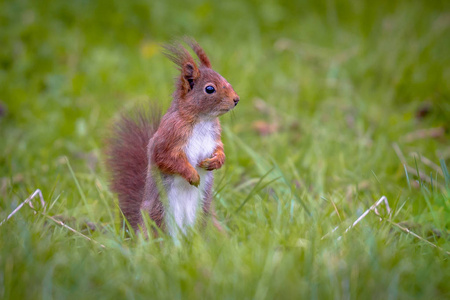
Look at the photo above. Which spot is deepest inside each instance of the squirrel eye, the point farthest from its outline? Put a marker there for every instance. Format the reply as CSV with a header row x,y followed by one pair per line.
x,y
210,89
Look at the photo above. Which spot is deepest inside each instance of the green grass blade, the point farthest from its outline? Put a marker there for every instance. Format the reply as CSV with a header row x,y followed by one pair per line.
x,y
80,190
255,189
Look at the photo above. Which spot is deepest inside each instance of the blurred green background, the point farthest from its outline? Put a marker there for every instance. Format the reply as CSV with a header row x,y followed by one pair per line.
x,y
341,102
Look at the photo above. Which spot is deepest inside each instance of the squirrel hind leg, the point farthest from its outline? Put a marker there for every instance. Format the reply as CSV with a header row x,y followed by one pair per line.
x,y
208,207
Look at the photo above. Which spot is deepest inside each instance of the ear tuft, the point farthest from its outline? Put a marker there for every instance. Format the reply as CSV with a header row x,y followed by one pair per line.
x,y
178,54
186,64
198,51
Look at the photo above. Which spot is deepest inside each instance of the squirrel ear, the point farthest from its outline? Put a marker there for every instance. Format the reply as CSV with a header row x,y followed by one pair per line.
x,y
190,72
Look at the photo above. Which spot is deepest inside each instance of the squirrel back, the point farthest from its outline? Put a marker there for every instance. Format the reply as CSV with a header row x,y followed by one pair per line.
x,y
127,159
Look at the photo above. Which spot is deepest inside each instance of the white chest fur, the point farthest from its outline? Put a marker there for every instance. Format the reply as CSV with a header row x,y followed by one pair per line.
x,y
185,199
202,142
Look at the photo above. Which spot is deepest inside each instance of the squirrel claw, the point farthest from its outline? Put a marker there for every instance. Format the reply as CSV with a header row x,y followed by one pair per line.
x,y
194,180
212,163
205,164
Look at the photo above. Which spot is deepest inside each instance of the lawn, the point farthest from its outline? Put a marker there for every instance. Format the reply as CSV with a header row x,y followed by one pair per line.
x,y
342,102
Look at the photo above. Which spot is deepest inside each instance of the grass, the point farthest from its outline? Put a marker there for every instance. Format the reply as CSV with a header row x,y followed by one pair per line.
x,y
341,103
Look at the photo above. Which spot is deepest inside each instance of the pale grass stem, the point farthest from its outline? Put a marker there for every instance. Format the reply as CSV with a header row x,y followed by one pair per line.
x,y
28,201
374,208
421,175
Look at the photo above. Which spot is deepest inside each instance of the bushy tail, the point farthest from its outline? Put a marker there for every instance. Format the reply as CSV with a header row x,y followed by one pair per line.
x,y
127,161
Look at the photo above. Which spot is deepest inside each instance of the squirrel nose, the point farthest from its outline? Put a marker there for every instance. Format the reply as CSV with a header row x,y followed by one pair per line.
x,y
236,100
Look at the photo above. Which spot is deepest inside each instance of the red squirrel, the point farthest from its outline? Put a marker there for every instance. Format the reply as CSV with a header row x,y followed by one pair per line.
x,y
163,166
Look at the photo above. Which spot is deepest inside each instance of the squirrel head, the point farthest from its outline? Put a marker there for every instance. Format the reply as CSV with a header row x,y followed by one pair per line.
x,y
201,91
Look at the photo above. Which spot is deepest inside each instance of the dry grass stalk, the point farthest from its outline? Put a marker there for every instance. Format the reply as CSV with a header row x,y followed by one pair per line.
x,y
28,201
374,208
427,162
417,236
413,171
423,134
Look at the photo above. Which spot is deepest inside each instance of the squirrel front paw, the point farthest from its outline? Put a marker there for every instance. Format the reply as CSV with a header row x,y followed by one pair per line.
x,y
194,179
213,163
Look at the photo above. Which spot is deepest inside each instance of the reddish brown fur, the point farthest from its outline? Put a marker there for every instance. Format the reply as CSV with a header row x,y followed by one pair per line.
x,y
199,52
126,158
133,166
